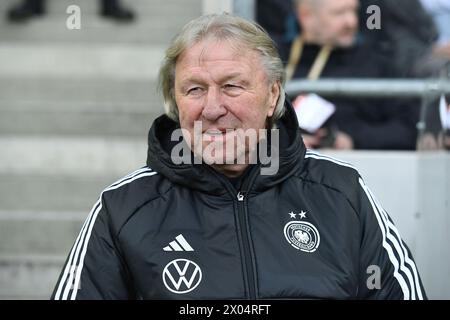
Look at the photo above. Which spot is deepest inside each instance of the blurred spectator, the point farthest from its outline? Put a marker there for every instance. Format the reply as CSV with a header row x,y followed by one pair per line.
x,y
416,35
440,11
30,8
409,37
328,47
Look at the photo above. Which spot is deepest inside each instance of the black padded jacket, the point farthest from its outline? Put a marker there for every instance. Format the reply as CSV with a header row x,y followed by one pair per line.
x,y
312,230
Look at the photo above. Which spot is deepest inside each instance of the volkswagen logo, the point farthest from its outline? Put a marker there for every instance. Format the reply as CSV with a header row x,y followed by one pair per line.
x,y
181,276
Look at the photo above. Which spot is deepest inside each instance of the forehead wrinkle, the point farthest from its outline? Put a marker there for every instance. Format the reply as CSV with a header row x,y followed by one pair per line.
x,y
207,45
201,55
210,42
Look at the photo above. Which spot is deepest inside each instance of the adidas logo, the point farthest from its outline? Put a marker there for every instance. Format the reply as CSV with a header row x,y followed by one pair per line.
x,y
179,244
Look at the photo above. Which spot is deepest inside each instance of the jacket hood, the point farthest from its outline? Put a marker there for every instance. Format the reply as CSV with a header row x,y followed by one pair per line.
x,y
204,178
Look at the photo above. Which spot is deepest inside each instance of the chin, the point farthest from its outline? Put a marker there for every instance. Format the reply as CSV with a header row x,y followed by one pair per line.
x,y
230,170
345,43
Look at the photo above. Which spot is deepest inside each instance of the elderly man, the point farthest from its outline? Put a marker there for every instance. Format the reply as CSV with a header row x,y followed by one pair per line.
x,y
328,46
212,223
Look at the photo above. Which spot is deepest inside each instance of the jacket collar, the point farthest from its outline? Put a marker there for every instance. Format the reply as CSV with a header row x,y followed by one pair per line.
x,y
204,178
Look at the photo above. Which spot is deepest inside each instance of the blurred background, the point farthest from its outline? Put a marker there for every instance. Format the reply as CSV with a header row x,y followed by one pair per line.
x,y
76,106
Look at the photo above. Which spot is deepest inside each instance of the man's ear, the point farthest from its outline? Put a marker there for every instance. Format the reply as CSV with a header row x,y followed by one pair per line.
x,y
274,95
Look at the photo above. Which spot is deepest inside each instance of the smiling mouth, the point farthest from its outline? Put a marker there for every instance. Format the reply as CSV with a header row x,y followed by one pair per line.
x,y
217,132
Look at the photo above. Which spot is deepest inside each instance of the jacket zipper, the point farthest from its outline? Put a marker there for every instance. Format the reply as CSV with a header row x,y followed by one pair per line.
x,y
248,261
241,197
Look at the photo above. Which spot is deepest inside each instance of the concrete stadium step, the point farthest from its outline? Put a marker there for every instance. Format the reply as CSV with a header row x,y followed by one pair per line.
x,y
31,119
49,192
71,158
29,276
80,61
31,232
157,22
52,193
110,94
59,173
78,106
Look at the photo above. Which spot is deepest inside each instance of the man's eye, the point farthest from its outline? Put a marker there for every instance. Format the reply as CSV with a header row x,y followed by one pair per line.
x,y
194,90
231,86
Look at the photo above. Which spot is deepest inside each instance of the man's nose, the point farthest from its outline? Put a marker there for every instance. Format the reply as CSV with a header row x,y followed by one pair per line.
x,y
214,106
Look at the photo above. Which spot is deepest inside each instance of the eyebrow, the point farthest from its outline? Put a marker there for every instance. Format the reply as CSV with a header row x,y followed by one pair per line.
x,y
194,79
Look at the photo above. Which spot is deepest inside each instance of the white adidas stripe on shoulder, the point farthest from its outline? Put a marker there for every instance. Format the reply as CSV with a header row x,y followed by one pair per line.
x,y
130,175
394,237
72,271
390,232
319,156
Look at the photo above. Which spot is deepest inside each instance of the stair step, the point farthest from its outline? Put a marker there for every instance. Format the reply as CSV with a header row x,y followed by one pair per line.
x,y
104,107
117,61
70,157
39,232
30,276
89,123
51,193
54,93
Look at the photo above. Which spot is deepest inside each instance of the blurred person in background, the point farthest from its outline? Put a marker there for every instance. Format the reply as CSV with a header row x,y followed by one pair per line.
x,y
30,8
329,46
414,35
440,12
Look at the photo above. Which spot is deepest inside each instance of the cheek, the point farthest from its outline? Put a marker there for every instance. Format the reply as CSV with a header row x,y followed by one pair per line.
x,y
188,112
343,25
255,113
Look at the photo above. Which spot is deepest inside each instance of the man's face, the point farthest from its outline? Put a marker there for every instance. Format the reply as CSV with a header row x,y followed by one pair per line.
x,y
223,86
334,22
